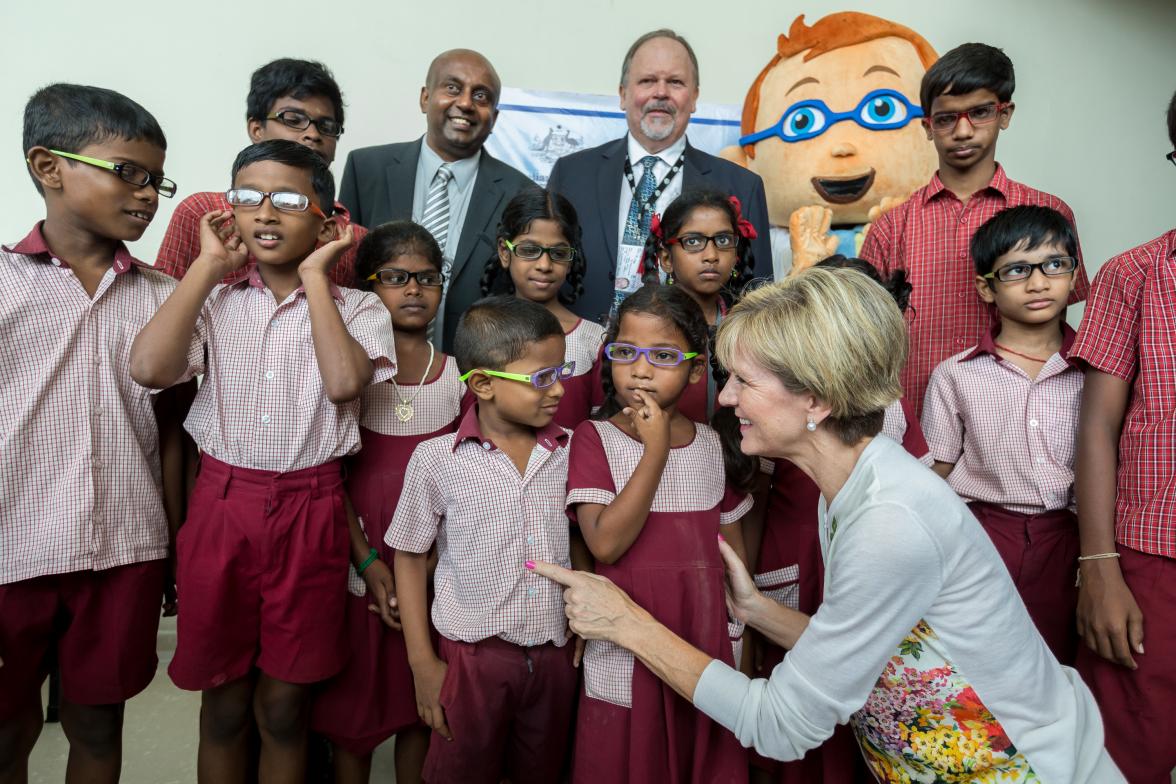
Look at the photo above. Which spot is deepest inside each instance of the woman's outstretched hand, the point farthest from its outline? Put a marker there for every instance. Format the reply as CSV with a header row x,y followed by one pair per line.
x,y
742,595
596,608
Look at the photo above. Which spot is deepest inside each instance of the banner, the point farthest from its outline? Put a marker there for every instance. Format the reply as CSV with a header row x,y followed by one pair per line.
x,y
535,129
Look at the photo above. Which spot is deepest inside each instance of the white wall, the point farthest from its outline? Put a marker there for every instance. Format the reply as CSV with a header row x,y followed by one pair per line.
x,y
1093,77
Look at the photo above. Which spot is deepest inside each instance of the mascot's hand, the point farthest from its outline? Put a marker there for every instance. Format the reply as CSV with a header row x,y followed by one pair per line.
x,y
887,204
808,230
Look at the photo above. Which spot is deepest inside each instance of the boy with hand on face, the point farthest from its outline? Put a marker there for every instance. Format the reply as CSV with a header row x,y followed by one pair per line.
x,y
966,98
83,529
263,554
290,99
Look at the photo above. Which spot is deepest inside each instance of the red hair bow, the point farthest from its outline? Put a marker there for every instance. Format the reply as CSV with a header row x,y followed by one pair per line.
x,y
655,227
742,224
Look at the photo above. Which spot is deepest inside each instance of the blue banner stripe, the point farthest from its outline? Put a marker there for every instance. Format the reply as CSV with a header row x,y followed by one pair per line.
x,y
515,107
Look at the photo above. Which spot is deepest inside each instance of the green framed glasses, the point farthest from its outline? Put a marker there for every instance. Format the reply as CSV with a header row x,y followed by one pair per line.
x,y
127,172
540,379
531,251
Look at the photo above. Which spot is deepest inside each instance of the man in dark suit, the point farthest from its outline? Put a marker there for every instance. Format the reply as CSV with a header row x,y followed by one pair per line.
x,y
618,186
444,181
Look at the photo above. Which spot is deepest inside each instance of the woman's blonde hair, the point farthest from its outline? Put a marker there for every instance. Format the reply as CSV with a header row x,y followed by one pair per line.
x,y
831,333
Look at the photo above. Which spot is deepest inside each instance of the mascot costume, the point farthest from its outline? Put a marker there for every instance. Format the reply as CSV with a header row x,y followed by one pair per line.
x,y
831,124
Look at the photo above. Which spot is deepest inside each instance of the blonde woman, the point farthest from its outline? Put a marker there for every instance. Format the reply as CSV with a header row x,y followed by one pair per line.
x,y
921,643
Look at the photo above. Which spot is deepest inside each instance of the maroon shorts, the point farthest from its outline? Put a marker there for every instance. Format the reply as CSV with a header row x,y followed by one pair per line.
x,y
262,576
1136,705
1041,553
103,625
510,711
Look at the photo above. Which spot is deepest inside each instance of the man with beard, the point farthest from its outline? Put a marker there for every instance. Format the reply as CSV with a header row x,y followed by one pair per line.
x,y
617,187
444,181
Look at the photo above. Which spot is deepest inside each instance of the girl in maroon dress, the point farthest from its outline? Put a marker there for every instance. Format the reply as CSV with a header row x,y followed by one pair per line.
x,y
649,490
540,258
703,245
373,698
791,571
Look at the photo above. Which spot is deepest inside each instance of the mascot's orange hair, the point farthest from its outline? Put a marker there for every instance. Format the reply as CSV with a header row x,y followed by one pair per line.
x,y
834,31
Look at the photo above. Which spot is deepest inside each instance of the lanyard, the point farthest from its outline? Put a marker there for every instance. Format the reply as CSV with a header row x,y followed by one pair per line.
x,y
661,186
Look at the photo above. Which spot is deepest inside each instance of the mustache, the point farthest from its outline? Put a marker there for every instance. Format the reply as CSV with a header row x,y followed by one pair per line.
x,y
659,106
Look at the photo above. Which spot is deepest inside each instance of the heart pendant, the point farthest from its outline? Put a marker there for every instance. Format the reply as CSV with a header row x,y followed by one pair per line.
x,y
403,412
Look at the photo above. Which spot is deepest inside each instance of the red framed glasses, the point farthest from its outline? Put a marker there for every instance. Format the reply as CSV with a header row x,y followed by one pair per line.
x,y
945,122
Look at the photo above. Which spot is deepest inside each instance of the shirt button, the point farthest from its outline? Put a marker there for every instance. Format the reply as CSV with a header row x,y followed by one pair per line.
x,y
99,410
1041,461
265,419
486,445
95,462
1032,423
963,254
269,375
530,540
56,262
532,591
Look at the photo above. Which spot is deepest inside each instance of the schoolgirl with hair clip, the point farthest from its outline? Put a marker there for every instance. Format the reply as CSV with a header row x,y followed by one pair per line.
x,y
539,257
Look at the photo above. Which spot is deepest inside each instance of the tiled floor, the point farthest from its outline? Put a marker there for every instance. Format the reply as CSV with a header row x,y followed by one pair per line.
x,y
159,735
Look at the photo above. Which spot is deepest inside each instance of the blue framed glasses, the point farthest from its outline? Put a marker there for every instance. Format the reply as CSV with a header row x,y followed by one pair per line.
x,y
879,110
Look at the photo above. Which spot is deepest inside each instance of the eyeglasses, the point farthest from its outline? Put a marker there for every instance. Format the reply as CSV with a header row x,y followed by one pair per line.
x,y
879,110
531,251
945,122
395,278
1023,270
626,353
696,243
300,121
540,379
1171,157
287,201
128,172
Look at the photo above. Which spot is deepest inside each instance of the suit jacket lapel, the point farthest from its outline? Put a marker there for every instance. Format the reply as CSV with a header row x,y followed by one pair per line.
x,y
697,167
488,194
609,181
400,174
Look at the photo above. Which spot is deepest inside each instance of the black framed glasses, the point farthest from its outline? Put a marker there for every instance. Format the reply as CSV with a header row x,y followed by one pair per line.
x,y
1023,270
396,278
287,201
300,121
662,356
696,243
531,251
127,172
1171,157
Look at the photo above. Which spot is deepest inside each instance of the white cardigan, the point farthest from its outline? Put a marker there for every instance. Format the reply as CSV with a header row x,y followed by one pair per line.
x,y
919,612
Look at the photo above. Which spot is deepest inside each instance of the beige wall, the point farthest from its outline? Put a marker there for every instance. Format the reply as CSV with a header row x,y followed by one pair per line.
x,y
1094,77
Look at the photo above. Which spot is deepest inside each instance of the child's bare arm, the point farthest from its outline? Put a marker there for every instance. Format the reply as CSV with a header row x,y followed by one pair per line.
x,y
943,469
610,531
376,574
1109,619
428,671
343,363
159,355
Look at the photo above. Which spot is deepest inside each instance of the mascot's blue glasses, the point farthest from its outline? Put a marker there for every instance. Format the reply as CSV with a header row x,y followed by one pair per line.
x,y
880,110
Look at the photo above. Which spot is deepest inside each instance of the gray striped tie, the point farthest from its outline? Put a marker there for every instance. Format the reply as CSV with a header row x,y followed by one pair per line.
x,y
435,219
435,216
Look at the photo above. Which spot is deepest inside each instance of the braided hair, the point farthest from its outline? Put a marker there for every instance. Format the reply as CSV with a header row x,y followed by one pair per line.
x,y
678,309
675,217
529,205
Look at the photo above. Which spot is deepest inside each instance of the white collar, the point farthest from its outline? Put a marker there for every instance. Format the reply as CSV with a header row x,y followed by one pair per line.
x,y
669,155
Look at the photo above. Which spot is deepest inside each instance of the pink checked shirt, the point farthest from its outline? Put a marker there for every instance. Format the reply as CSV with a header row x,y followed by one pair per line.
x,y
1012,439
929,235
1128,332
181,243
79,451
488,521
262,404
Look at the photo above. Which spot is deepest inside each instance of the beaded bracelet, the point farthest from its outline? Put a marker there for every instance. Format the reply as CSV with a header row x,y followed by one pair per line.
x,y
372,556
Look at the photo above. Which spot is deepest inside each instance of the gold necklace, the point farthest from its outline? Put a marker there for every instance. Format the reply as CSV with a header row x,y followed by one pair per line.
x,y
403,410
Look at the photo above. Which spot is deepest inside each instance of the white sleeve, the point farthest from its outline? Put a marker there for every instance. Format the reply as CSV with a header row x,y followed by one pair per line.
x,y
885,571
